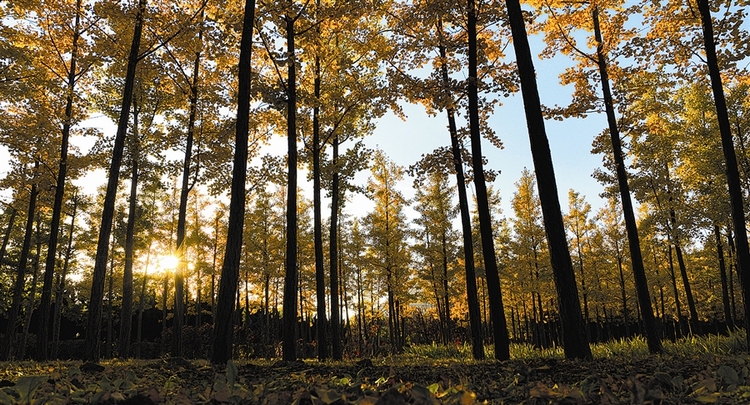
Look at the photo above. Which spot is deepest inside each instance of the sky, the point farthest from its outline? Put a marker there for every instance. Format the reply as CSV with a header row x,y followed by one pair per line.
x,y
404,142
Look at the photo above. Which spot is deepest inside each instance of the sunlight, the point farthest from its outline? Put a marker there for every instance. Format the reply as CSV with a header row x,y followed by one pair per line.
x,y
167,263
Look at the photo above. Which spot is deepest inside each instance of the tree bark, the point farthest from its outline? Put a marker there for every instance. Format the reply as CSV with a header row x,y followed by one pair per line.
x,y
644,298
222,337
500,328
291,277
15,308
333,255
320,278
60,293
49,267
730,157
472,296
574,336
93,328
723,274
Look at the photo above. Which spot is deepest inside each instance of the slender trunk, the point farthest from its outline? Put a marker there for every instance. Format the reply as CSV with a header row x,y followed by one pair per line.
x,y
141,305
733,176
497,312
574,337
6,238
644,298
126,313
110,304
93,328
678,306
49,267
60,293
222,337
291,278
32,293
320,278
472,296
333,255
732,265
724,285
15,308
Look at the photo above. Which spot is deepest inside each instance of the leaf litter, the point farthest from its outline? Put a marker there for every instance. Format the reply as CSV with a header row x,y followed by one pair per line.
x,y
657,380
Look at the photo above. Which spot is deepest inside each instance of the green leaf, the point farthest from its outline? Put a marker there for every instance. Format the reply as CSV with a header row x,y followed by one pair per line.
x,y
231,373
665,379
728,375
26,386
434,388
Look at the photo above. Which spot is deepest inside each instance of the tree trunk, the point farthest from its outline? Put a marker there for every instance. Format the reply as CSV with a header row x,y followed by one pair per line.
x,y
60,293
574,336
500,328
49,267
320,278
126,310
93,328
32,293
472,296
141,305
291,277
641,284
15,308
732,172
230,268
724,285
333,255
6,238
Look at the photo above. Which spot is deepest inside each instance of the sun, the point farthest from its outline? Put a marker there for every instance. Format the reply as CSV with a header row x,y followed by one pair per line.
x,y
167,263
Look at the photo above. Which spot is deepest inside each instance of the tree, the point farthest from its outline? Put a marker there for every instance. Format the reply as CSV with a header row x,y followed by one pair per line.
x,y
100,263
387,236
574,339
222,337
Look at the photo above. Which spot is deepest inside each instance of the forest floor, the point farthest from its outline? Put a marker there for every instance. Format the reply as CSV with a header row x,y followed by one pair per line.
x,y
688,376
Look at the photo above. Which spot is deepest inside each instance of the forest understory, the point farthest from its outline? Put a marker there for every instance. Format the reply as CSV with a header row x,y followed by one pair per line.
x,y
699,370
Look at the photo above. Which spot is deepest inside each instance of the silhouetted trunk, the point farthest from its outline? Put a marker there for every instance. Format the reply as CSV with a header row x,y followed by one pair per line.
x,y
673,278
472,297
446,292
6,238
320,278
32,293
126,310
60,293
93,328
291,277
641,284
500,328
141,305
724,284
732,172
333,254
222,350
15,307
49,267
573,334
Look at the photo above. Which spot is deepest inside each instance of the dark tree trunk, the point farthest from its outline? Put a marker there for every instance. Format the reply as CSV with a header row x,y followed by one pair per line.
x,y
6,238
222,337
574,336
290,280
333,254
641,284
60,293
49,267
320,277
32,293
15,307
475,319
126,310
500,328
724,285
730,157
93,328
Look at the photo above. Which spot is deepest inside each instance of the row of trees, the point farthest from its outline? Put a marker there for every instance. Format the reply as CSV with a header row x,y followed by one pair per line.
x,y
321,74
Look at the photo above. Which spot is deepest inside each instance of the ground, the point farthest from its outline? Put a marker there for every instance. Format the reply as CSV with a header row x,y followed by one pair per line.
x,y
642,379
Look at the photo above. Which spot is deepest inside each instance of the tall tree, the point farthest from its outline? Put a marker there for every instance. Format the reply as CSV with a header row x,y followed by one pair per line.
x,y
574,337
223,331
731,167
93,328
